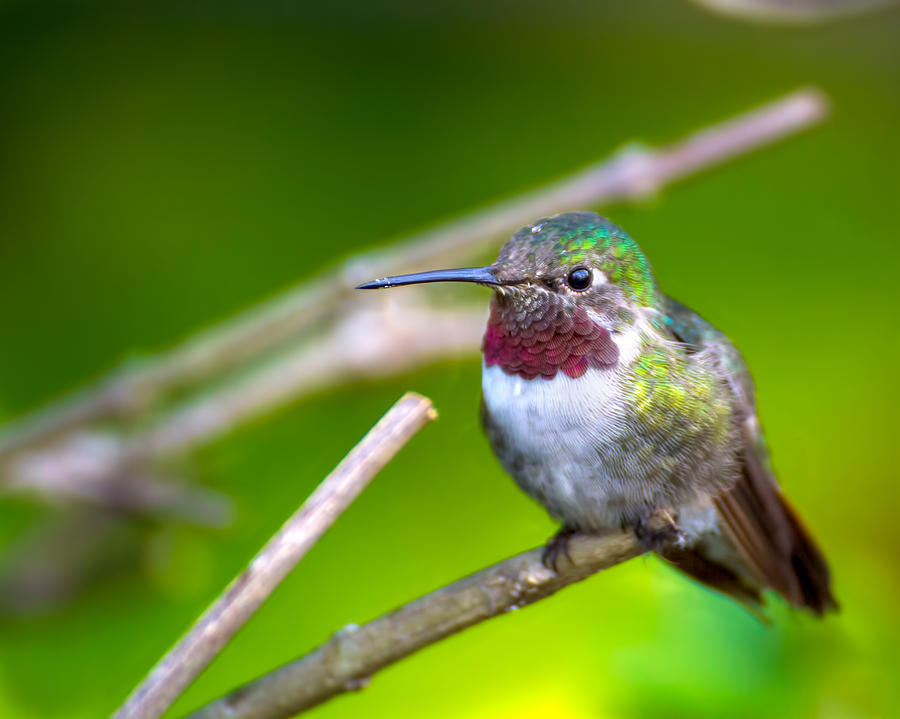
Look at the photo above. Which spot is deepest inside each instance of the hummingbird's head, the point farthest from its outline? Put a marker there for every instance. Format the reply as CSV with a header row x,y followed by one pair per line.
x,y
580,258
561,286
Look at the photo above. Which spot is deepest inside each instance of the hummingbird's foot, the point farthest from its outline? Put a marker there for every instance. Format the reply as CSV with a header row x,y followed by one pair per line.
x,y
556,546
658,530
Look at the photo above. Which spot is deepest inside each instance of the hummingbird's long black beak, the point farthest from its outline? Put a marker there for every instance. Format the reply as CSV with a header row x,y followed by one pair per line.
x,y
479,275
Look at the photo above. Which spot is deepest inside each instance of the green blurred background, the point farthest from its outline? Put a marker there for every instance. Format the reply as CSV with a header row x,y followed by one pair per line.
x,y
165,165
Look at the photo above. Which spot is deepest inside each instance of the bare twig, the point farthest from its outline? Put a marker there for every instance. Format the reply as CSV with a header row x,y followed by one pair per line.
x,y
251,588
348,660
400,335
633,173
397,337
793,11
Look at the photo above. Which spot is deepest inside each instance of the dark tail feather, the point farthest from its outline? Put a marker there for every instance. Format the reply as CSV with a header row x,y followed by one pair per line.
x,y
810,567
774,543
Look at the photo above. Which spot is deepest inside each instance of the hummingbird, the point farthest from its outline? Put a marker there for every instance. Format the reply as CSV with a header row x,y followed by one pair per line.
x,y
617,407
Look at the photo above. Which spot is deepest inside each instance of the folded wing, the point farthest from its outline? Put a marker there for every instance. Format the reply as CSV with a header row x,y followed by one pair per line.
x,y
754,515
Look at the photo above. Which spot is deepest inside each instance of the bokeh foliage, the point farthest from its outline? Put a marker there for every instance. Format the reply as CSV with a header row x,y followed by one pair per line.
x,y
164,165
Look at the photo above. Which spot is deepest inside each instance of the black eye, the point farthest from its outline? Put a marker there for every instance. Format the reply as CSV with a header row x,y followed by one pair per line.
x,y
579,279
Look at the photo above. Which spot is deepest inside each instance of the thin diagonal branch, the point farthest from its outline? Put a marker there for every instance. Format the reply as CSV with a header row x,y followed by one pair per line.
x,y
347,661
631,174
249,590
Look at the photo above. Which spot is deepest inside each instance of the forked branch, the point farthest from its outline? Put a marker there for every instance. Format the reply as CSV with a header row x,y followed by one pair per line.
x,y
636,172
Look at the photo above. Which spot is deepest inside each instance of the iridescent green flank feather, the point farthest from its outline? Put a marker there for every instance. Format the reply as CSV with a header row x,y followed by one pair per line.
x,y
677,402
